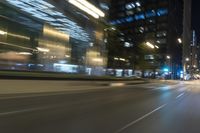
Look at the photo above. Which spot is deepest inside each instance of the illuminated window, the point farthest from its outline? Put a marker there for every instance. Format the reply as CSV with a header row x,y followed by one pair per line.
x,y
113,22
122,20
129,19
130,6
138,9
161,34
138,4
162,12
162,41
118,22
104,6
150,13
129,12
139,16
128,45
141,29
149,57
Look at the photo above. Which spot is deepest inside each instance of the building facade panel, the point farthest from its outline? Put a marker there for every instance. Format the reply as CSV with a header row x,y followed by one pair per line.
x,y
51,35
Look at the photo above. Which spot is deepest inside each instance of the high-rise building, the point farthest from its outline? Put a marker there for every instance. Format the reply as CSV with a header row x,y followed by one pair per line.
x,y
192,64
151,33
53,35
187,35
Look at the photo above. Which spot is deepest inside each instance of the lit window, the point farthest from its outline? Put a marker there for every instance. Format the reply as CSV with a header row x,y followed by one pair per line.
x,y
139,16
162,41
149,57
122,20
141,29
122,39
139,9
150,13
127,44
129,19
113,22
161,34
138,3
162,12
104,6
130,6
118,22
129,12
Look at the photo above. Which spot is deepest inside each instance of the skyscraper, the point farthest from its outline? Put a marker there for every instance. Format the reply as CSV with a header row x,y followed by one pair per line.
x,y
187,34
154,23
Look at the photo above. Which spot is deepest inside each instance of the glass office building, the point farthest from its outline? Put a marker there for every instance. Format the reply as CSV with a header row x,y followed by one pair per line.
x,y
155,22
51,35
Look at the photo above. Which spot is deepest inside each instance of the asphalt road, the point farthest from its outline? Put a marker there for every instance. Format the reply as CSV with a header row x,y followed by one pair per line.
x,y
147,108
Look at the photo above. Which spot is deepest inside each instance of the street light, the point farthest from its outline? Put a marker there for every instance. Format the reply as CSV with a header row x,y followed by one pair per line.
x,y
168,57
179,40
187,59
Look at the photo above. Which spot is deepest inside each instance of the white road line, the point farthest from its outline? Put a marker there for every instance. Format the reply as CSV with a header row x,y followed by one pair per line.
x,y
22,111
167,87
180,95
141,118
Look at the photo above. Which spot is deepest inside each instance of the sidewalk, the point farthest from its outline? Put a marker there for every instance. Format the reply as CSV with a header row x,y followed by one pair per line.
x,y
42,86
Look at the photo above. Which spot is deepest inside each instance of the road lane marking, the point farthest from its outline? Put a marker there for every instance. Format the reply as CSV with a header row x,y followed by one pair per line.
x,y
180,95
166,87
141,118
22,111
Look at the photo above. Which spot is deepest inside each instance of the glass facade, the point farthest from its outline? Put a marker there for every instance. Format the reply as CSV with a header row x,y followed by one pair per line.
x,y
37,35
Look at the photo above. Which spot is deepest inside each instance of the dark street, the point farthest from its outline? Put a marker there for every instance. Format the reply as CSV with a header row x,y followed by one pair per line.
x,y
152,108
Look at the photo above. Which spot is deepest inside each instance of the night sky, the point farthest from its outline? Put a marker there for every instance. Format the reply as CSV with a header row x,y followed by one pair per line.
x,y
196,17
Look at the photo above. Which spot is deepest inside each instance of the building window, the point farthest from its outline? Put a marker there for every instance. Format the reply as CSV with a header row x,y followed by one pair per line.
x,y
149,57
161,34
162,41
150,13
139,16
139,30
129,13
151,21
129,19
162,11
130,6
